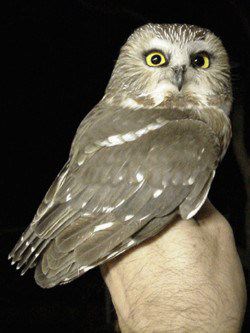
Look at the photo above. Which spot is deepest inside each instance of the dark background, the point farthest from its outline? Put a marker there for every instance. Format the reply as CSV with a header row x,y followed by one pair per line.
x,y
58,57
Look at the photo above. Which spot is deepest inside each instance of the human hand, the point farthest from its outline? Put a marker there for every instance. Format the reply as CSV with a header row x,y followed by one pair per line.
x,y
188,278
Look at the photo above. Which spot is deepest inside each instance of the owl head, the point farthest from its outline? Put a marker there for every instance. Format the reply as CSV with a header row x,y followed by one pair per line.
x,y
172,63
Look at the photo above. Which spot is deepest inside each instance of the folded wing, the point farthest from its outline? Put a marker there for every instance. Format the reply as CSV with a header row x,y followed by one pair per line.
x,y
113,194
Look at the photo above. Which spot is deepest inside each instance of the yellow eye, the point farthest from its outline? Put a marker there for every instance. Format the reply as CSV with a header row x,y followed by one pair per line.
x,y
155,59
201,60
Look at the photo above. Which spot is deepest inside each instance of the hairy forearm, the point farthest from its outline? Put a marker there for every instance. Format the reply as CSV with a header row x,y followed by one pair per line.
x,y
187,279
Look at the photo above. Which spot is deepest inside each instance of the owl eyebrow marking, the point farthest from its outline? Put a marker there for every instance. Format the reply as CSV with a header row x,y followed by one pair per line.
x,y
159,43
211,55
146,53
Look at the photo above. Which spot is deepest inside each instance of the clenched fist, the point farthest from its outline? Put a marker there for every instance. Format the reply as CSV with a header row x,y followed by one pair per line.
x,y
186,279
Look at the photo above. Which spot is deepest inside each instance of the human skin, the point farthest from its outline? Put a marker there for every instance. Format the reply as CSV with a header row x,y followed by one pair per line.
x,y
188,278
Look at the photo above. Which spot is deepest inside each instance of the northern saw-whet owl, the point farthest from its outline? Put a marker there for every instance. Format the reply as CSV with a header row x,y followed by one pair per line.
x,y
145,154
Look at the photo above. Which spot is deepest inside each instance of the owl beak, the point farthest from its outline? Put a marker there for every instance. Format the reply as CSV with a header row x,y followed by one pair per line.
x,y
178,78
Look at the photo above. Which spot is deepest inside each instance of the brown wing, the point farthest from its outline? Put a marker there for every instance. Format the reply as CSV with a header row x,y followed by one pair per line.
x,y
113,191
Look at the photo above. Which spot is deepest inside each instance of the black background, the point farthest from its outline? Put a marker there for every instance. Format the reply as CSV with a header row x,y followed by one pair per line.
x,y
58,57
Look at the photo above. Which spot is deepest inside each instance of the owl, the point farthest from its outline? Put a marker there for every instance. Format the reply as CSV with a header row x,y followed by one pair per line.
x,y
146,154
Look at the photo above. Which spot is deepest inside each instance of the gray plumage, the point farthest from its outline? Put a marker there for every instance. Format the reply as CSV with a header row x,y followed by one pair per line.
x,y
144,155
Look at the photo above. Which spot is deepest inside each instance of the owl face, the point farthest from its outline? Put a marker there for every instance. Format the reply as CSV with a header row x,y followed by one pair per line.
x,y
171,61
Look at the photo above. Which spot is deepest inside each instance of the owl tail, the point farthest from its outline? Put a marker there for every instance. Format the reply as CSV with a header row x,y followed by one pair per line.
x,y
57,267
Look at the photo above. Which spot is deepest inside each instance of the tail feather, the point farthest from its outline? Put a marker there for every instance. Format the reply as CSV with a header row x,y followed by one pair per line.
x,y
32,260
75,263
21,244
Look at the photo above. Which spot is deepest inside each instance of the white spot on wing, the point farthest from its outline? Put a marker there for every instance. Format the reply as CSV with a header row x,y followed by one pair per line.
x,y
109,209
174,181
81,160
128,217
157,193
145,217
86,214
119,139
120,203
112,254
132,242
190,180
194,211
103,226
139,176
130,136
83,268
68,197
115,139
154,126
130,103
142,131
